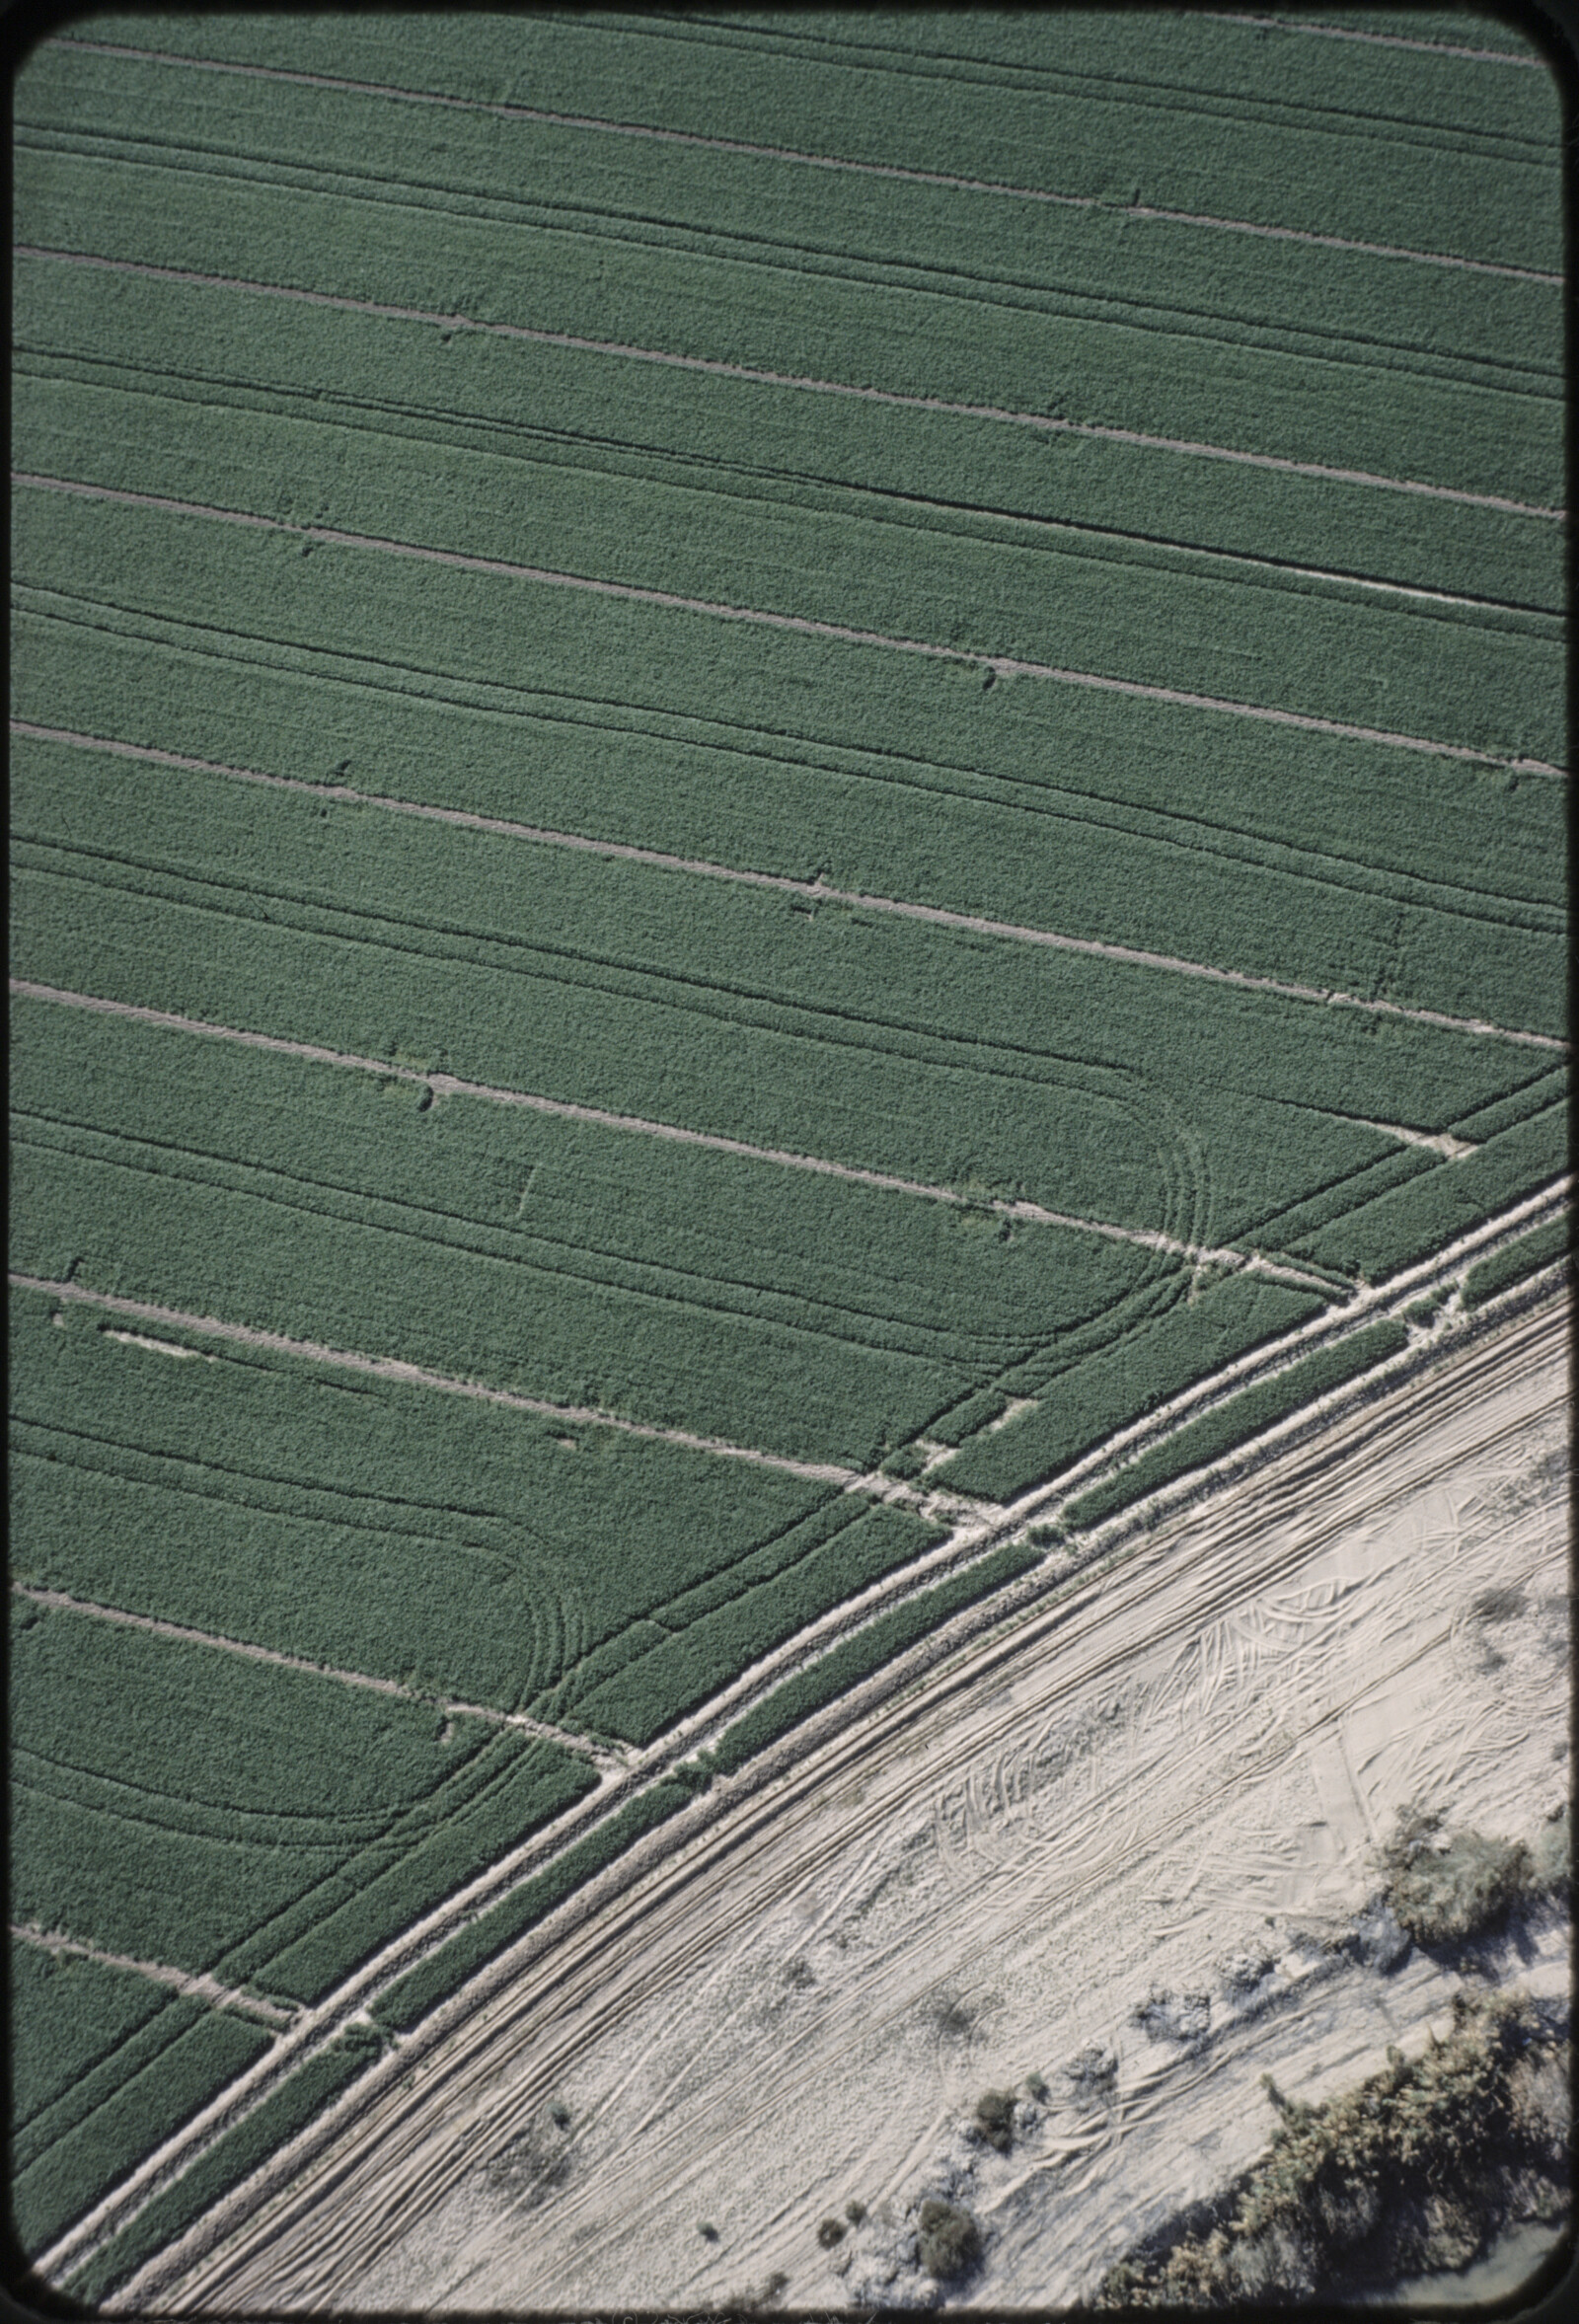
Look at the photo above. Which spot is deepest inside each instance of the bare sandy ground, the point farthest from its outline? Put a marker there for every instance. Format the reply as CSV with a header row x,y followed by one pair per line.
x,y
1131,1831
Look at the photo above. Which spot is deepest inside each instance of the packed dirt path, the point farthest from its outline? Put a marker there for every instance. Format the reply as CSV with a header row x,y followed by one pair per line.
x,y
1136,1823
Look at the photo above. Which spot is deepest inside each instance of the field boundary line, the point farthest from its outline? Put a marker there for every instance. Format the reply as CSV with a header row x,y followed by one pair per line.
x,y
394,1368
616,1760
816,892
797,625
1286,23
1193,1484
649,133
191,1986
1016,1602
444,1084
1370,1302
755,375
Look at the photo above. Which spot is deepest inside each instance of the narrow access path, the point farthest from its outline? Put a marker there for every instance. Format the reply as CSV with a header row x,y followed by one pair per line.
x,y
1031,1213
1001,665
1329,32
414,1376
182,1981
816,892
754,375
646,132
610,1759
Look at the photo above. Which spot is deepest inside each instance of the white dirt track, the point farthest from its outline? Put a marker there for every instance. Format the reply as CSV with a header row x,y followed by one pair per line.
x,y
1168,1784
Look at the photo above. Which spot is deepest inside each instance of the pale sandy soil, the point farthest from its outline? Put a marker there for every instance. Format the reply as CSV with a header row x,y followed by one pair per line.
x,y
1162,1791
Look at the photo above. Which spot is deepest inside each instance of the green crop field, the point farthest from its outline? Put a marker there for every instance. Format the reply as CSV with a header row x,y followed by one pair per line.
x,y
788,809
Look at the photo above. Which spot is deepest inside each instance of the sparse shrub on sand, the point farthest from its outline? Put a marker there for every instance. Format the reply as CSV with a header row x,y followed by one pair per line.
x,y
1551,1855
1411,2170
995,2118
1450,1894
948,2243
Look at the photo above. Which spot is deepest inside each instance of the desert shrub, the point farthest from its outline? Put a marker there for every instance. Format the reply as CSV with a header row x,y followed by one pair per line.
x,y
1355,2186
1448,1895
855,2212
829,2232
1550,1859
950,2240
995,2118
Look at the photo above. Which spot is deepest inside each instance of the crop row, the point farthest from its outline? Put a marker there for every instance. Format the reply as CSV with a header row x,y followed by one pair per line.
x,y
419,636
235,2152
1084,1394
288,1251
272,351
566,1209
147,2079
1398,1230
1153,617
774,314
618,1627
1245,1415
787,1027
370,1527
1518,1261
264,1825
1158,274
1092,1382
1032,855
1314,135
414,637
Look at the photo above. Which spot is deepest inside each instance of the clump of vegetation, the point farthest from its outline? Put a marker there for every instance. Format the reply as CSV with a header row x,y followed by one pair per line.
x,y
1448,1894
1352,2192
1036,2086
1551,1858
908,1461
830,2232
855,2212
995,2118
1093,2068
707,2230
949,2242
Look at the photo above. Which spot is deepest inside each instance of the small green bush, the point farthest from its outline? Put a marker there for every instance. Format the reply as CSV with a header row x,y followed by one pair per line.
x,y
1446,1895
1552,1858
950,2241
995,2118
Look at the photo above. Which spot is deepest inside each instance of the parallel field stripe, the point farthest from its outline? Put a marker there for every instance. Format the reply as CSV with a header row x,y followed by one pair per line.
x,y
337,84
759,377
800,625
182,1981
62,1603
814,890
1102,541
414,1376
1325,32
848,1173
